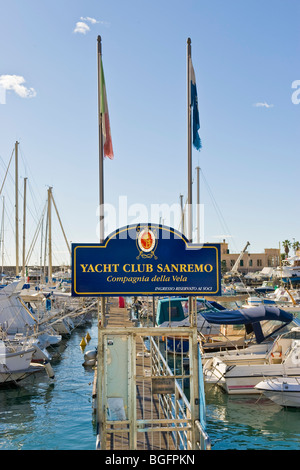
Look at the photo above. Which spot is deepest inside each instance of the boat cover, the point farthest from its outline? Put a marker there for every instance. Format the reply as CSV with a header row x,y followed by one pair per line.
x,y
215,313
246,316
172,308
251,318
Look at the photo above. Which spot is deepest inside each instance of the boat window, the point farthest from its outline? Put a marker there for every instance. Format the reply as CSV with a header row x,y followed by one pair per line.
x,y
292,334
269,327
175,312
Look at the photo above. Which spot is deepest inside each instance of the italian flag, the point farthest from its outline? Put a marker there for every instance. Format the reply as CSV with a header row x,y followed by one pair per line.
x,y
107,146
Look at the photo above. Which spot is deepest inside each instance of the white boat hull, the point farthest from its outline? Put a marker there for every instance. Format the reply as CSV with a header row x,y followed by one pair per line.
x,y
61,327
235,380
240,375
20,360
284,391
17,376
16,366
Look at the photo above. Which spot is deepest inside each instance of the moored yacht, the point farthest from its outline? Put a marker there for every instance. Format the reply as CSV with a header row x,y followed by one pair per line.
x,y
242,376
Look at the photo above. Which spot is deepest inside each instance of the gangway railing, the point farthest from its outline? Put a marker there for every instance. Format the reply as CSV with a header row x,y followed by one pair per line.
x,y
179,406
147,386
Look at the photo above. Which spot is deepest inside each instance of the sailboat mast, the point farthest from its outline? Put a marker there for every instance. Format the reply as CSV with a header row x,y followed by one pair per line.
x,y
41,253
49,236
17,207
45,250
24,227
2,235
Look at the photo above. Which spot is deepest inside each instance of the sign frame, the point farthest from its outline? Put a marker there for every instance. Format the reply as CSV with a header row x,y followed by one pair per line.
x,y
144,245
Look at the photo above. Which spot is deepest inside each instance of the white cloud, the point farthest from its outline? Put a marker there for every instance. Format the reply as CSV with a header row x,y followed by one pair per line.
x,y
16,83
81,27
263,105
88,18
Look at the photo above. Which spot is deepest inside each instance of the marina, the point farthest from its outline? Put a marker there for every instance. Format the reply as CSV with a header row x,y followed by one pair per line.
x,y
29,418
130,322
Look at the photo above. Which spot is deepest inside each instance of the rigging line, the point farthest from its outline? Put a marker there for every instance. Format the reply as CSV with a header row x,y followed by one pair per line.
x,y
28,206
19,192
34,198
8,218
6,171
28,169
30,251
214,201
61,226
12,179
222,220
23,161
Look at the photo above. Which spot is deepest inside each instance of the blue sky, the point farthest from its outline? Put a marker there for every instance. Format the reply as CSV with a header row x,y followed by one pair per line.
x,y
244,52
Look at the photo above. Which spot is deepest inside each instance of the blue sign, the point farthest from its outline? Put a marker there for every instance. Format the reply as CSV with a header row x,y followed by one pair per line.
x,y
145,259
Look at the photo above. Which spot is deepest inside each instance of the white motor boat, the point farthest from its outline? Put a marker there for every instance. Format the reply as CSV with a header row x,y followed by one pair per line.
x,y
16,362
284,391
242,375
16,318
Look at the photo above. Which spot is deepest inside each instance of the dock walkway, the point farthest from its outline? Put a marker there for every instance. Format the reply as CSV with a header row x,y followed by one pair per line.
x,y
148,405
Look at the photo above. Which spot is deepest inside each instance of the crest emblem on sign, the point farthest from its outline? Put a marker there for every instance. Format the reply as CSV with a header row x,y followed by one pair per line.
x,y
146,241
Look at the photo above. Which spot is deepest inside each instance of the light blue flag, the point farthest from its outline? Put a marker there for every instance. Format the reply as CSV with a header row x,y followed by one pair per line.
x,y
195,114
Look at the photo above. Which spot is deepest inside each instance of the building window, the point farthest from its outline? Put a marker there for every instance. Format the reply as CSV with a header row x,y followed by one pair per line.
x,y
259,262
242,262
232,262
250,262
273,261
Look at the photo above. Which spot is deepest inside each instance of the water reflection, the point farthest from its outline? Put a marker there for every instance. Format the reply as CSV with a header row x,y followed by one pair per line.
x,y
43,414
244,422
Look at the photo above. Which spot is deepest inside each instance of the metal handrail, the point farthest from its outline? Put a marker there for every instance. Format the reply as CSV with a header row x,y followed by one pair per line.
x,y
163,364
204,434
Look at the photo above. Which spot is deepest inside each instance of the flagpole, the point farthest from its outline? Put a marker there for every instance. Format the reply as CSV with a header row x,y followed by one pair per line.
x,y
192,303
101,311
101,169
189,201
101,172
189,151
198,204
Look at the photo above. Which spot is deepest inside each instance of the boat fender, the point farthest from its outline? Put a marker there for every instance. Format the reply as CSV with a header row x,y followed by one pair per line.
x,y
90,355
89,362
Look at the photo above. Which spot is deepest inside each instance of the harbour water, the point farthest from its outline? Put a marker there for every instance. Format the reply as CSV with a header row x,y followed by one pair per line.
x,y
53,415
40,415
250,423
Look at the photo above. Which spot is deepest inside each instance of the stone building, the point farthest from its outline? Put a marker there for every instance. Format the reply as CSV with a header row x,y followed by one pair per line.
x,y
250,262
